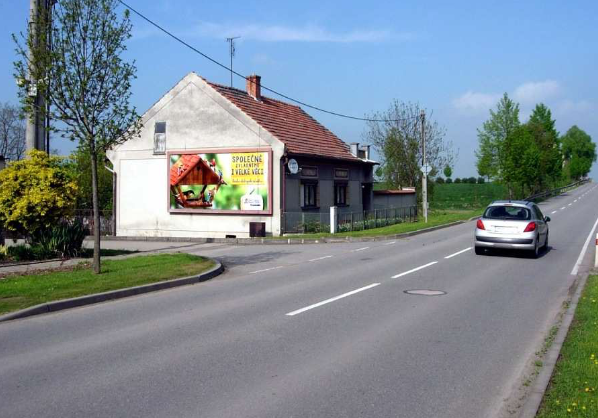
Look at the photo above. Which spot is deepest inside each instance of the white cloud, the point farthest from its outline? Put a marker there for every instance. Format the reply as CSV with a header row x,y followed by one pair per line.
x,y
536,92
570,106
309,33
475,102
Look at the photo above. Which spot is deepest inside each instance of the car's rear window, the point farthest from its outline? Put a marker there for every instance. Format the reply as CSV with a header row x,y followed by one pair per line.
x,y
514,213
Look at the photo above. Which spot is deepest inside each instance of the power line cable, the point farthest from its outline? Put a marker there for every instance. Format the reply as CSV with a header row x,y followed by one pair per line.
x,y
245,78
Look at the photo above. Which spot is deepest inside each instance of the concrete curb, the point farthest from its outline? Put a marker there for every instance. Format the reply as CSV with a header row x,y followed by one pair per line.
x,y
534,399
112,295
289,240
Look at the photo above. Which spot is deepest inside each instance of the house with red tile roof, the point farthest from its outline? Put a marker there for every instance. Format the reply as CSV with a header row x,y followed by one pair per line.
x,y
216,161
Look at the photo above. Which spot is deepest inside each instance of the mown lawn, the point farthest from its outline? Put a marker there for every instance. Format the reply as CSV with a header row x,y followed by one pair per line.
x,y
573,390
19,292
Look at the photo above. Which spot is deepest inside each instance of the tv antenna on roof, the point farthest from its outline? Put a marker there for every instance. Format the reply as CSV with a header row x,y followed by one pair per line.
x,y
231,41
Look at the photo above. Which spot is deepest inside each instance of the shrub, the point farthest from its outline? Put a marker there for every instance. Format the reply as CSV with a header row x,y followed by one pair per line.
x,y
457,180
449,180
439,180
21,252
481,180
3,252
36,193
64,239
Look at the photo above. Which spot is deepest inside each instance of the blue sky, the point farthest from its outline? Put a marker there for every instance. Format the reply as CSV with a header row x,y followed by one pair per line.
x,y
354,57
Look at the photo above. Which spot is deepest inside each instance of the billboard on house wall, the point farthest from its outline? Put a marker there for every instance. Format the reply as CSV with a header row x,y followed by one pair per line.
x,y
220,181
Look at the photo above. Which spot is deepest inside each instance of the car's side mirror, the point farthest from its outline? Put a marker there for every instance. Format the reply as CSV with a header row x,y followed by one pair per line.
x,y
547,219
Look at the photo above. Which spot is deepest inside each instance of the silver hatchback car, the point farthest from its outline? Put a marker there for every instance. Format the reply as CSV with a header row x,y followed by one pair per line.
x,y
518,225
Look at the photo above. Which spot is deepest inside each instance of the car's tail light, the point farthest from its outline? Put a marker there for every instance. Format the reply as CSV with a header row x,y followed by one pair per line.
x,y
530,227
480,224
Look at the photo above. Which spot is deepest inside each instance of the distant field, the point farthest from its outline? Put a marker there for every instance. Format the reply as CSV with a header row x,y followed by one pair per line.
x,y
465,195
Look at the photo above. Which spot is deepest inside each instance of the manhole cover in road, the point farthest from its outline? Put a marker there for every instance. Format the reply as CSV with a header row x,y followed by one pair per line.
x,y
425,292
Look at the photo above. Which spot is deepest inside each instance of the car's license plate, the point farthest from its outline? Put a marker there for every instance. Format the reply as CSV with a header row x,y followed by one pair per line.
x,y
505,229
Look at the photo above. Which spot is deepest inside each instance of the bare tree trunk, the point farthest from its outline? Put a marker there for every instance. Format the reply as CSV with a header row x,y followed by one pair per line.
x,y
96,209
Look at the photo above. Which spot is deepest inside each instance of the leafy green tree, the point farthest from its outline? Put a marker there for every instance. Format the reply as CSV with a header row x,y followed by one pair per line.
x,y
493,147
396,135
579,152
86,82
542,128
521,164
448,171
81,162
36,193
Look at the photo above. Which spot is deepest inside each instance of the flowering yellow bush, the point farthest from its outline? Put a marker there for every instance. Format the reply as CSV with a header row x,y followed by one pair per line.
x,y
36,192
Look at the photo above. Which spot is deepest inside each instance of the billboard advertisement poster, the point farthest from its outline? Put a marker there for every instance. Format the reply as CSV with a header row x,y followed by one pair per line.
x,y
237,181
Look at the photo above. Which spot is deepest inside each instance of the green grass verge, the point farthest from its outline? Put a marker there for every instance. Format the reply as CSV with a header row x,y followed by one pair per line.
x,y
435,218
573,390
19,292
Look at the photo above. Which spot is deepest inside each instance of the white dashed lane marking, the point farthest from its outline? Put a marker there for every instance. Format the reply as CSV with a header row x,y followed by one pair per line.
x,y
414,270
324,302
457,253
321,258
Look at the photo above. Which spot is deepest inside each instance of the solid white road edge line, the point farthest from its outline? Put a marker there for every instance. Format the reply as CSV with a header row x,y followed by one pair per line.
x,y
271,268
413,270
583,250
324,302
460,252
320,258
359,249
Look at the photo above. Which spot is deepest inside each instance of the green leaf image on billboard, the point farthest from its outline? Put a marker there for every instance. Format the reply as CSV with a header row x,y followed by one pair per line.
x,y
237,181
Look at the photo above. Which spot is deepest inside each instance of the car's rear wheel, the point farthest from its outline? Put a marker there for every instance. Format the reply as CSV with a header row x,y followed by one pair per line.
x,y
545,246
536,250
479,250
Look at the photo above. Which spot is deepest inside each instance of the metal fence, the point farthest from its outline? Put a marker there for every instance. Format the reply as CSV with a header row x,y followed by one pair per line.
x,y
377,218
306,222
315,222
106,221
555,192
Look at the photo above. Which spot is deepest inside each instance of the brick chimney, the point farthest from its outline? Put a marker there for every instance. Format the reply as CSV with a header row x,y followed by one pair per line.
x,y
254,88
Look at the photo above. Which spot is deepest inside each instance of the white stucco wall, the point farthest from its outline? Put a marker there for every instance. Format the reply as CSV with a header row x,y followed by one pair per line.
x,y
197,118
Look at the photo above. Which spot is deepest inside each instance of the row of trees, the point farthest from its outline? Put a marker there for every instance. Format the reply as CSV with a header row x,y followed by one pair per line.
x,y
12,132
531,157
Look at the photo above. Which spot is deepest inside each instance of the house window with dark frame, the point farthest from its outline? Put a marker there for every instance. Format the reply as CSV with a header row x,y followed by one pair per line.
x,y
340,194
309,195
160,138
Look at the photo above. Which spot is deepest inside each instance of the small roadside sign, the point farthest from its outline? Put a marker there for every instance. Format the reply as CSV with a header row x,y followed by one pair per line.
x,y
425,169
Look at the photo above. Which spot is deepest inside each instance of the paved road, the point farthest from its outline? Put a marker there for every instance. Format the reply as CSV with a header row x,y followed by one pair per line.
x,y
321,330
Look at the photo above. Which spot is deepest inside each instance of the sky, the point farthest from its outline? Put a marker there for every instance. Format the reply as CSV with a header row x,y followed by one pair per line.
x,y
455,59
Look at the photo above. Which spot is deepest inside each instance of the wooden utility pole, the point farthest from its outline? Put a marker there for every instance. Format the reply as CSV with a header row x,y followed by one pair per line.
x,y
424,169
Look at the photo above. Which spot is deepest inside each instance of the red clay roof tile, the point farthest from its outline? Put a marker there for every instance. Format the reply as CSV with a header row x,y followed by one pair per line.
x,y
301,133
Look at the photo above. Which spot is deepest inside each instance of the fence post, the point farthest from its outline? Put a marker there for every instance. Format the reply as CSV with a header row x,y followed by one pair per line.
x,y
351,221
303,221
333,219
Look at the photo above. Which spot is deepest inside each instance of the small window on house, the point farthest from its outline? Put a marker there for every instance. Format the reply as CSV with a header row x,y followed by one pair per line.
x,y
309,195
160,138
340,194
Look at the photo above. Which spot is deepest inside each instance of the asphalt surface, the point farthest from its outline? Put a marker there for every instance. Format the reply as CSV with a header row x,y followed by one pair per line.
x,y
322,330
